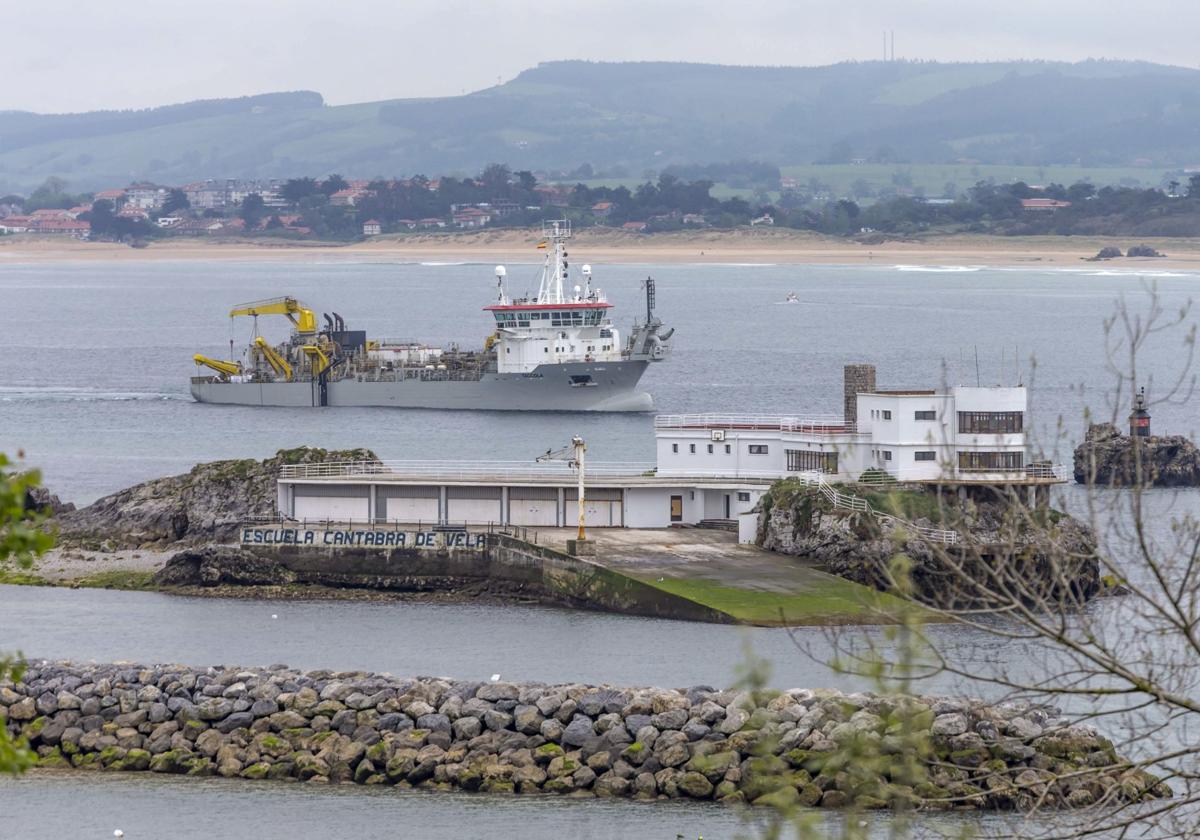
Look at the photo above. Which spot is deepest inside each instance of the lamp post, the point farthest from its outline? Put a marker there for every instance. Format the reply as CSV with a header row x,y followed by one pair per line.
x,y
575,455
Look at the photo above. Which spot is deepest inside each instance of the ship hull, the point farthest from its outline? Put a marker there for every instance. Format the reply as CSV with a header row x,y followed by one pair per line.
x,y
613,387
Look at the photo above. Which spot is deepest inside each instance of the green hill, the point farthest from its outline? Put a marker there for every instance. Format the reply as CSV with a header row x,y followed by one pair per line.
x,y
639,116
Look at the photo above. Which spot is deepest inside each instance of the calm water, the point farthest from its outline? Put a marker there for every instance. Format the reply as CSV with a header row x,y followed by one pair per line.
x,y
93,388
94,375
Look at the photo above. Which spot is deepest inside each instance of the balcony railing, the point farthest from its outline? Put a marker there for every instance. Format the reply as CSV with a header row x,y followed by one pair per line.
x,y
465,470
819,424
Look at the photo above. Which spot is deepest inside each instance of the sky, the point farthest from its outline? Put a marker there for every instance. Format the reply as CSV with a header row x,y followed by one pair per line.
x,y
73,55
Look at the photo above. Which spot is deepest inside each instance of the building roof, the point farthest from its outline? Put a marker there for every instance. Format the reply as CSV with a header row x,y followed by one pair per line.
x,y
1043,203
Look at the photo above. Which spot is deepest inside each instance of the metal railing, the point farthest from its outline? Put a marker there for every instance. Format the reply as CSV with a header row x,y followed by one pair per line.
x,y
453,470
821,424
848,501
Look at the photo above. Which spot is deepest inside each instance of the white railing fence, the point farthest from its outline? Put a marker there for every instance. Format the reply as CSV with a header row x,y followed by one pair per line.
x,y
815,423
553,470
848,501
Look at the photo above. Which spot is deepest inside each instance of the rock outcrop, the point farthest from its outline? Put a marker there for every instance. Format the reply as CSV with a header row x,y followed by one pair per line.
x,y
216,565
1108,457
767,748
997,550
206,504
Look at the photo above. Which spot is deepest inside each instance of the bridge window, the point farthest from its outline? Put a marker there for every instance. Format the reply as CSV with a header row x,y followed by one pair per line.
x,y
925,455
803,460
990,461
692,448
758,449
924,415
990,422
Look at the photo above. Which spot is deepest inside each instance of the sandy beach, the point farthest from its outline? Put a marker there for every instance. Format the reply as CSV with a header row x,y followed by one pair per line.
x,y
610,246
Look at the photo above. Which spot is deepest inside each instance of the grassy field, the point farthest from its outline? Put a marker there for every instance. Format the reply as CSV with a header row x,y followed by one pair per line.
x,y
828,600
934,177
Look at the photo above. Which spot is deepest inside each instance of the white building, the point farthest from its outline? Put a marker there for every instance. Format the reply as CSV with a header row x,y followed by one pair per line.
x,y
708,467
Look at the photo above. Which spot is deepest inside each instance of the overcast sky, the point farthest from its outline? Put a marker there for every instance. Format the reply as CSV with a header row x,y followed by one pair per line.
x,y
75,55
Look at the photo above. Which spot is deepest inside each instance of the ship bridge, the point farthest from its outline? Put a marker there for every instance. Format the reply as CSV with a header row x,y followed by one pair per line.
x,y
554,327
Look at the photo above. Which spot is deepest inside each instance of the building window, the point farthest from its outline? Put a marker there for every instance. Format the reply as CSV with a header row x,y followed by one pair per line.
x,y
803,460
886,453
887,415
692,448
990,461
710,449
924,415
758,449
990,422
728,448
925,455
743,497
674,447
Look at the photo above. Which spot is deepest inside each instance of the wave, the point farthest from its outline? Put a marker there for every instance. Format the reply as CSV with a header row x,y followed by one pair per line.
x,y
442,264
939,269
55,393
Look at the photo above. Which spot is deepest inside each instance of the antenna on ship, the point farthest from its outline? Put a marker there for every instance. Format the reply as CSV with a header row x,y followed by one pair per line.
x,y
501,273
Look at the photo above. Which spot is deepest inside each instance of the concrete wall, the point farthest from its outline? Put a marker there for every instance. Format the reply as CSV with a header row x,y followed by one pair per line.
x,y
507,561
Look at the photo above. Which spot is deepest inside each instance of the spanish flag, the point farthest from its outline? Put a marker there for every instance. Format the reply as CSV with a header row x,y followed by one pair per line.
x,y
542,244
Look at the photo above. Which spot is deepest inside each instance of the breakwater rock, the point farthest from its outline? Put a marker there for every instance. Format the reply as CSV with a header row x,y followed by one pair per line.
x,y
1046,556
1107,457
766,748
207,503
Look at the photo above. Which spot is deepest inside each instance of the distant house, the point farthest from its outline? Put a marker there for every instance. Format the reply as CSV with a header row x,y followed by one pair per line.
x,y
471,217
347,197
602,209
168,221
505,207
78,210
410,224
50,213
765,220
207,195
15,224
62,227
1043,205
427,224
145,196
115,196
694,219
135,213
634,227
371,227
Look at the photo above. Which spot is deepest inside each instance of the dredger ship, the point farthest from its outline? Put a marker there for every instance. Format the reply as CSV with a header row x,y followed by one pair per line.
x,y
558,351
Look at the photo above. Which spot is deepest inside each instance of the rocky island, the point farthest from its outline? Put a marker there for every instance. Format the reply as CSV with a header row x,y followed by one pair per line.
x,y
700,743
1053,554
1109,458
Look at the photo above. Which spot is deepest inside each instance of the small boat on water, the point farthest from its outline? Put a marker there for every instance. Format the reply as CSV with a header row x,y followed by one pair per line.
x,y
792,297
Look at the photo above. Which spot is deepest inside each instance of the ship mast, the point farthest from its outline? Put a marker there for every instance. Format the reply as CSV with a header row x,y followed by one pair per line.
x,y
554,270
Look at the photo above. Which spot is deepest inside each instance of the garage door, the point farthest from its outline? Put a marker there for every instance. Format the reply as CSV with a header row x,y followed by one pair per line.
x,y
474,505
408,505
333,502
602,507
533,506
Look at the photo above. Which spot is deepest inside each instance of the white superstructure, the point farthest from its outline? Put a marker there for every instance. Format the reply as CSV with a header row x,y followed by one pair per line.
x,y
561,323
961,435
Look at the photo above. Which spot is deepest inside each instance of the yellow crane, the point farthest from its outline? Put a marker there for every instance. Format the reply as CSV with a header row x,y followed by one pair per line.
x,y
273,358
317,359
296,312
226,369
